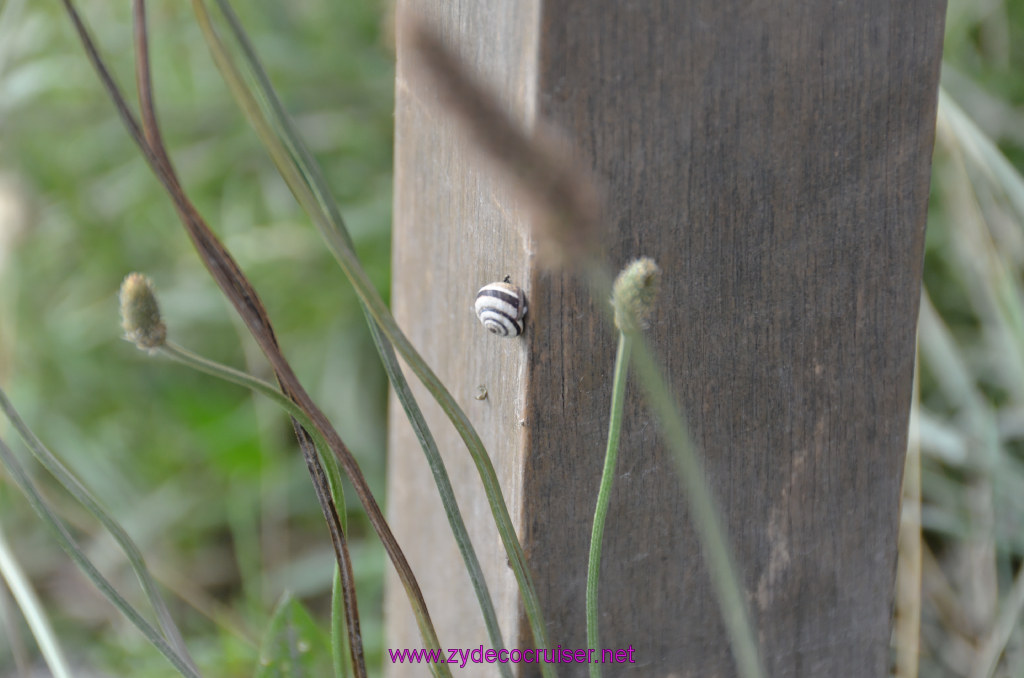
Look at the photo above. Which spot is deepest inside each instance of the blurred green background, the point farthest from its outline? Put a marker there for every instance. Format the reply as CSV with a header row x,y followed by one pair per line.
x,y
207,478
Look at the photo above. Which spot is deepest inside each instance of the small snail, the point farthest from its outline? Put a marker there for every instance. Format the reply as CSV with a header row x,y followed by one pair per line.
x,y
501,307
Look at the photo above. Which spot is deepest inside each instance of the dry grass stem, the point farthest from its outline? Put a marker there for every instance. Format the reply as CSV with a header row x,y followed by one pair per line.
x,y
567,205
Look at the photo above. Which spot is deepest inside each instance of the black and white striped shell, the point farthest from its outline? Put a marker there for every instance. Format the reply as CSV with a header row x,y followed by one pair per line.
x,y
501,307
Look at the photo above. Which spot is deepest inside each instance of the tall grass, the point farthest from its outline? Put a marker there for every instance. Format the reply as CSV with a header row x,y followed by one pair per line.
x,y
971,344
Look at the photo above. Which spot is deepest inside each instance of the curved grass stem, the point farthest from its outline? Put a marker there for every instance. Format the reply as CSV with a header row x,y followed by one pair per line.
x,y
35,615
340,599
181,663
604,493
83,496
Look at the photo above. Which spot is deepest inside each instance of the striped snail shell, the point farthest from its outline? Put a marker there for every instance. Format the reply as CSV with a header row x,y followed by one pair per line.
x,y
501,307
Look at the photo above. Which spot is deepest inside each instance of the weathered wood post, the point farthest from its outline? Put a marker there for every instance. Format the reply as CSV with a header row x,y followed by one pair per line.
x,y
774,158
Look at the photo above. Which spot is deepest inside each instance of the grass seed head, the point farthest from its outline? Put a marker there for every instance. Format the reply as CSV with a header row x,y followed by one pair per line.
x,y
635,293
140,313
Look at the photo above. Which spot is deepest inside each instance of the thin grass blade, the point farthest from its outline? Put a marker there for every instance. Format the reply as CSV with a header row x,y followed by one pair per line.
x,y
74,551
69,482
35,614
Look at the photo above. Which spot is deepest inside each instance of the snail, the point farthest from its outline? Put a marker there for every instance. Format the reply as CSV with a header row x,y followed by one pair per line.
x,y
501,307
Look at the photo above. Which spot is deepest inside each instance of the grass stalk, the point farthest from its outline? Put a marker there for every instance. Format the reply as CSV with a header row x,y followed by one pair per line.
x,y
313,194
243,296
907,616
339,637
182,664
340,617
83,496
604,494
32,609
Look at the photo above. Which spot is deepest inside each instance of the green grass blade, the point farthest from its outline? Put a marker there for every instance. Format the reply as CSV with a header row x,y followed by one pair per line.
x,y
81,494
74,551
317,184
340,644
982,151
32,609
604,495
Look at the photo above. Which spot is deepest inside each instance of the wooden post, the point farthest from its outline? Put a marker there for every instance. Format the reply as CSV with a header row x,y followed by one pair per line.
x,y
774,158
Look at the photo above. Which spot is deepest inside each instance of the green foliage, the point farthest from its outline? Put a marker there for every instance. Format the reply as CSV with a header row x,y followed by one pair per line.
x,y
972,353
206,477
294,646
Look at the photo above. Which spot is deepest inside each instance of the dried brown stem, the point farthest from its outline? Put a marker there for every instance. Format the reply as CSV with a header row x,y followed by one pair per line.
x,y
243,296
567,205
151,130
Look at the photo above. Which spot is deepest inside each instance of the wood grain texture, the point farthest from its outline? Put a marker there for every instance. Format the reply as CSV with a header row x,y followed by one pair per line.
x,y
774,158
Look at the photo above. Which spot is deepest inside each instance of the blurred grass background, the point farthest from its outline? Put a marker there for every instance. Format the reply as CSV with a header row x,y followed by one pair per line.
x,y
208,479
971,351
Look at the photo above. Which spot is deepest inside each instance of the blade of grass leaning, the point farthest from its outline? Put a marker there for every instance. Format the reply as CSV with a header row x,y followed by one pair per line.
x,y
143,325
633,298
141,318
704,512
33,611
985,154
232,282
236,84
83,496
326,485
339,637
325,215
706,516
74,551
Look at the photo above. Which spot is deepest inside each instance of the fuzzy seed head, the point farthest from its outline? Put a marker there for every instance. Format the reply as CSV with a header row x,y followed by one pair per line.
x,y
140,313
635,293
